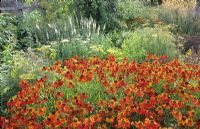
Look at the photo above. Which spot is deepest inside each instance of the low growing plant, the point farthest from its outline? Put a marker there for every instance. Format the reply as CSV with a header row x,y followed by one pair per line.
x,y
95,93
8,30
17,65
95,45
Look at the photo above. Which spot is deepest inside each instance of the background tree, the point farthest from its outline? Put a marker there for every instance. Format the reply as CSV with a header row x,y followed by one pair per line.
x,y
102,11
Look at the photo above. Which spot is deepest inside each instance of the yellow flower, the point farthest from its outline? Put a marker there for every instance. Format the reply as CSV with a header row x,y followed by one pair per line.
x,y
27,76
110,120
97,48
188,53
150,84
115,51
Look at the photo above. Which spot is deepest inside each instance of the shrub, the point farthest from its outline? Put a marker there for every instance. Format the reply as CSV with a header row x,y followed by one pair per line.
x,y
148,40
134,45
117,38
95,93
8,30
134,9
152,2
185,22
180,14
55,9
5,67
26,34
102,11
95,45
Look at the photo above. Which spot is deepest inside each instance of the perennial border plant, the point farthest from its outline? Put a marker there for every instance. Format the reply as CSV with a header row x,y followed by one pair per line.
x,y
105,93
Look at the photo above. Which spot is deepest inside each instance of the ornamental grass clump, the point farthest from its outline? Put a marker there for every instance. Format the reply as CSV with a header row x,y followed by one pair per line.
x,y
96,93
157,41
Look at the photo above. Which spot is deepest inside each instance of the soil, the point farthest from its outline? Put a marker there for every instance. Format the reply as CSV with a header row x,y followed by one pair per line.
x,y
192,42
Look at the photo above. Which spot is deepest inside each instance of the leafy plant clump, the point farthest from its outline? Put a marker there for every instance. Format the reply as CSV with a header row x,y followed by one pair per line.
x,y
136,45
8,31
95,93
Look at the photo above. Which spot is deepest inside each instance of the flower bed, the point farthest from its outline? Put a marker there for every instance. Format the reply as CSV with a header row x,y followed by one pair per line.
x,y
95,93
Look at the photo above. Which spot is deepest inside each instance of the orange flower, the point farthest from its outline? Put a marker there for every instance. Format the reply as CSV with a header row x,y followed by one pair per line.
x,y
58,83
86,77
59,95
111,58
70,85
177,115
24,84
133,94
69,75
150,56
151,124
43,79
42,111
110,120
66,109
123,123
186,122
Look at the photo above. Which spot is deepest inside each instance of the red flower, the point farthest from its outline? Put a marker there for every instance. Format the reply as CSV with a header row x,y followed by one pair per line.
x,y
43,79
69,75
86,77
59,95
58,83
111,58
151,124
198,123
130,94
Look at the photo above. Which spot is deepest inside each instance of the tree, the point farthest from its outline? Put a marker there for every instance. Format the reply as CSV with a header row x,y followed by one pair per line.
x,y
103,11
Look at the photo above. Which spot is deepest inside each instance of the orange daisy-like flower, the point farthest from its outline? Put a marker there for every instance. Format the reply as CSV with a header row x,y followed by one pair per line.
x,y
131,94
24,84
58,83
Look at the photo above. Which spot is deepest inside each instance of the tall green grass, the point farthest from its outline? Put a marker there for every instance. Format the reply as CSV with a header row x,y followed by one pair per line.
x,y
185,22
148,41
96,45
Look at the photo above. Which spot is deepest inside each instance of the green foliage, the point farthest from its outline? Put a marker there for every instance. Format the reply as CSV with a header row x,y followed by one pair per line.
x,y
96,45
26,26
185,23
133,15
152,2
15,66
103,11
67,37
61,29
136,45
149,41
8,30
133,9
40,26
58,9
116,38
5,67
